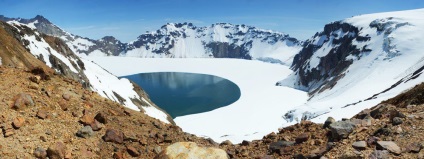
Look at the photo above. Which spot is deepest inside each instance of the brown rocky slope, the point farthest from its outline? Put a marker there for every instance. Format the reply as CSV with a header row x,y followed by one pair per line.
x,y
39,114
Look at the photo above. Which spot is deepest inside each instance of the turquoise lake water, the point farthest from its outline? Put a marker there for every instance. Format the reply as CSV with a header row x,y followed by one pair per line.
x,y
182,94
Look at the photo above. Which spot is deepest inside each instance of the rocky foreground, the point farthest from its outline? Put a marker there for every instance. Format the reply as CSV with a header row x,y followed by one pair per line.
x,y
392,129
46,115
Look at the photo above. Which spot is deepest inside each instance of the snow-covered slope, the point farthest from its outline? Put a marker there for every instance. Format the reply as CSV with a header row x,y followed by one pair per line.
x,y
358,62
221,40
55,54
106,46
182,40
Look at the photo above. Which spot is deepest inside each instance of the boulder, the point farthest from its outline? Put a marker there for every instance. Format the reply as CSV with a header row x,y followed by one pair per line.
x,y
276,146
226,142
22,100
18,122
360,145
363,113
87,118
41,153
66,96
414,147
8,130
114,136
390,146
191,150
85,132
397,121
341,129
63,105
330,120
101,117
96,126
133,151
245,143
56,151
302,138
42,114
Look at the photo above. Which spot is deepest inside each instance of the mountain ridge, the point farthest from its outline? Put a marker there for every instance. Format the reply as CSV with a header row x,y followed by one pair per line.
x,y
219,40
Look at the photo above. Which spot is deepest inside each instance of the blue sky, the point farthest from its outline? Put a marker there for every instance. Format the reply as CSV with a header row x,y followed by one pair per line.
x,y
130,18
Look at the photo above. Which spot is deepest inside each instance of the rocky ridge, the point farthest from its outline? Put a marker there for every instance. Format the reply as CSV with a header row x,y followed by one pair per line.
x,y
220,40
25,47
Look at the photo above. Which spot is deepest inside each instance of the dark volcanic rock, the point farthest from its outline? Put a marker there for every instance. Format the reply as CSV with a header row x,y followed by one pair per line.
x,y
383,131
341,129
397,121
372,140
114,136
302,138
276,146
329,121
101,117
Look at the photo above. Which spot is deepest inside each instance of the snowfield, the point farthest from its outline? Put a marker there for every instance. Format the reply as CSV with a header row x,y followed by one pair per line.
x,y
394,65
258,111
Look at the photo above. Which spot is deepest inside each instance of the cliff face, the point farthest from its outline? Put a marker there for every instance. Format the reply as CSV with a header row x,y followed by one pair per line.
x,y
336,45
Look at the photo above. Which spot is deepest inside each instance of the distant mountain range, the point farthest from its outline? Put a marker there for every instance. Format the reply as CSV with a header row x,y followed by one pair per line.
x,y
182,40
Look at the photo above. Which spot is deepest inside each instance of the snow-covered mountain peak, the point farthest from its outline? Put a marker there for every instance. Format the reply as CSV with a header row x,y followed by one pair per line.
x,y
41,19
363,59
219,40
